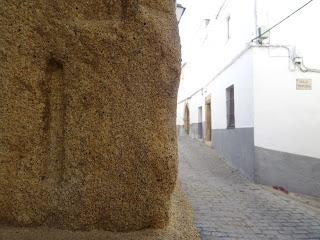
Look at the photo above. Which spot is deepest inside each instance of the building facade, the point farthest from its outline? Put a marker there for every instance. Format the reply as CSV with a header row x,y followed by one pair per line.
x,y
253,94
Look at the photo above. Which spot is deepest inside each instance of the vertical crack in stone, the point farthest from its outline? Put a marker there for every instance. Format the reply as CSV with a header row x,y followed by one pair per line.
x,y
124,9
54,119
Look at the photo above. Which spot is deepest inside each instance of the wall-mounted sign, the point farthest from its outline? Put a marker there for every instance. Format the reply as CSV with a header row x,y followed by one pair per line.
x,y
304,84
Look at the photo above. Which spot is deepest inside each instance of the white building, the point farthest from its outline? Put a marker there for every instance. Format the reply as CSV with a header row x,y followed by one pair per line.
x,y
256,102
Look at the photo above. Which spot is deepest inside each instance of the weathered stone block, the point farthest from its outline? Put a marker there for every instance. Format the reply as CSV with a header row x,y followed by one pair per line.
x,y
87,113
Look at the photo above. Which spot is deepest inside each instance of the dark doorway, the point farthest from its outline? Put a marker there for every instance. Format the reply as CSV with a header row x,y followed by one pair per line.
x,y
200,130
208,133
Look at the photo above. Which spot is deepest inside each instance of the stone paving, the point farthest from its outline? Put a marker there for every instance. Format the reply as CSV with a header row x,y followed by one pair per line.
x,y
228,206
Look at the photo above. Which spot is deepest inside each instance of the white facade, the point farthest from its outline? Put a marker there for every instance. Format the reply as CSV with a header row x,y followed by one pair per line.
x,y
294,125
218,52
286,119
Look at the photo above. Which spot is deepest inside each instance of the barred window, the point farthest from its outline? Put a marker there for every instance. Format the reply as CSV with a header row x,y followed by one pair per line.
x,y
230,107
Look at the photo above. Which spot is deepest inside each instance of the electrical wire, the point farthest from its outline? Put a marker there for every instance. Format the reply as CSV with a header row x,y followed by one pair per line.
x,y
220,9
302,68
277,24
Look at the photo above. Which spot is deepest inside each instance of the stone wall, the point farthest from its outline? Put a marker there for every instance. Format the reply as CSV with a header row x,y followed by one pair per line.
x,y
87,113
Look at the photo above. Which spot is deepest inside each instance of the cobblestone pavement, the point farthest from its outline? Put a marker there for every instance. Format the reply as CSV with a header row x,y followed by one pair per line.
x,y
228,206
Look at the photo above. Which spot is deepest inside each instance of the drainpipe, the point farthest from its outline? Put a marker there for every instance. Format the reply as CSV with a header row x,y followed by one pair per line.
x,y
298,61
290,50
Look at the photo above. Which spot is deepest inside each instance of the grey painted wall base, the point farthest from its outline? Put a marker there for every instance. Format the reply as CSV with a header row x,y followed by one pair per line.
x,y
294,172
236,146
181,131
196,130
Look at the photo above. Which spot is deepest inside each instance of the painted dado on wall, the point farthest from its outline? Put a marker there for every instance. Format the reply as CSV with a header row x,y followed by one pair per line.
x,y
275,138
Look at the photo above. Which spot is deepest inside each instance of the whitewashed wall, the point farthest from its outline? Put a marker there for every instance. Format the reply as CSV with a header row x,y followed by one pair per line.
x,y
300,30
180,109
239,75
287,119
206,51
275,122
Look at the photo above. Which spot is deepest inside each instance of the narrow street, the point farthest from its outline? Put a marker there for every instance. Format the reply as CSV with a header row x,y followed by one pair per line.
x,y
228,206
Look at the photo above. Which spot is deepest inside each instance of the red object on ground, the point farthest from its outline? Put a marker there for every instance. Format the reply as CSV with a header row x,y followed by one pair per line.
x,y
282,189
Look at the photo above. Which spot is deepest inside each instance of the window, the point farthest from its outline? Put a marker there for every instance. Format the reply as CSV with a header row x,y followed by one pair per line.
x,y
230,107
208,129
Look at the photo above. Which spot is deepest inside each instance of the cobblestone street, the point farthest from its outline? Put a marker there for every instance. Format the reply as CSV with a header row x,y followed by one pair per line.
x,y
228,206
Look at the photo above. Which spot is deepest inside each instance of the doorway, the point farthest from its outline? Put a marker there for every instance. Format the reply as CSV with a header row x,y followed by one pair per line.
x,y
186,119
208,129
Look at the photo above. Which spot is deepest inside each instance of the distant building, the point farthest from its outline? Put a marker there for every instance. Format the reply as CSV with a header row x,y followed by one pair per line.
x,y
256,100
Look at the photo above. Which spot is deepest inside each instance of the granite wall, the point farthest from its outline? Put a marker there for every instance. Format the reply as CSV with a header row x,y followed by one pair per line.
x,y
87,113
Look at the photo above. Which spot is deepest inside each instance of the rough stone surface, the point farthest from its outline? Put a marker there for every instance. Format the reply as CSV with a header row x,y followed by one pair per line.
x,y
87,113
181,227
228,206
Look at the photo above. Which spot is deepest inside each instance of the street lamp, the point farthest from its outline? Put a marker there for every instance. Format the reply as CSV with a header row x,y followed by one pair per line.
x,y
179,11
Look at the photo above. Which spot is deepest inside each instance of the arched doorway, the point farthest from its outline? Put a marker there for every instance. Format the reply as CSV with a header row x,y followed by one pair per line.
x,y
186,119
